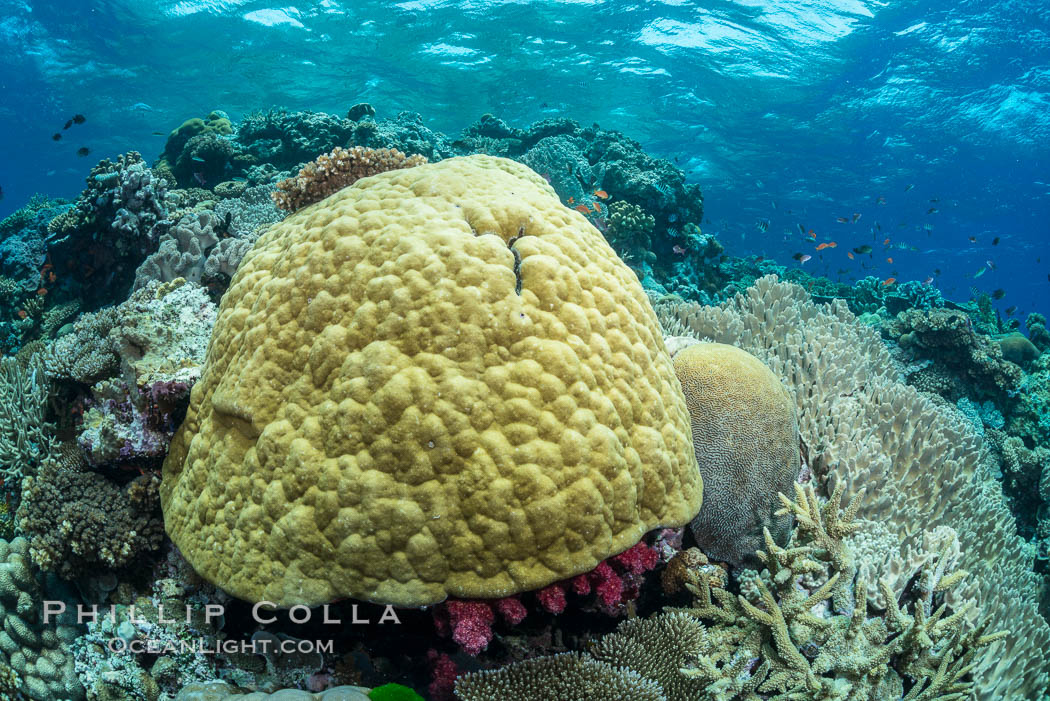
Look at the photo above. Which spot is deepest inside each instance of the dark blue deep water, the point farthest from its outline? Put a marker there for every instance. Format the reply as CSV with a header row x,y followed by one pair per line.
x,y
795,112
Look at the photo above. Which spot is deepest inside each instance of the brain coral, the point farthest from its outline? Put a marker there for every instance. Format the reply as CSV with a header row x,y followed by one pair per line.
x,y
745,433
438,381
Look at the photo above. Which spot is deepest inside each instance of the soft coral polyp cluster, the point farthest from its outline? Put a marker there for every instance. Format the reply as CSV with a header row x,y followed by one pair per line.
x,y
614,583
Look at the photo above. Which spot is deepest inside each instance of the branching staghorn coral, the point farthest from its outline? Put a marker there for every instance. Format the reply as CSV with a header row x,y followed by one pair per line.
x,y
791,642
863,428
331,172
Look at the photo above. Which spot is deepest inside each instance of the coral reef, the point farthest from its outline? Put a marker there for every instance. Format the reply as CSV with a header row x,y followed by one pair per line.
x,y
948,338
745,435
331,172
1018,349
1035,323
36,654
159,334
203,152
250,212
569,676
865,428
628,233
78,521
221,691
611,587
26,435
110,229
484,473
792,640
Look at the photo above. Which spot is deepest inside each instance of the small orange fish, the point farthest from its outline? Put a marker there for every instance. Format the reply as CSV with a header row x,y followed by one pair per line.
x,y
50,277
601,194
886,242
572,200
849,254
832,244
889,281
889,260
42,291
22,313
583,209
822,246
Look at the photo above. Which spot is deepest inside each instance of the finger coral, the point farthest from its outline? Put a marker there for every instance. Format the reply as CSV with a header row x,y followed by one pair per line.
x,y
440,382
865,428
333,171
77,521
745,435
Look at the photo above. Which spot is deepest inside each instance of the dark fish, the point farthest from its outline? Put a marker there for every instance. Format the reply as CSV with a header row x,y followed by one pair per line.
x,y
932,210
68,124
83,151
158,133
79,119
995,241
1,193
861,250
56,136
1010,311
999,294
908,187
936,271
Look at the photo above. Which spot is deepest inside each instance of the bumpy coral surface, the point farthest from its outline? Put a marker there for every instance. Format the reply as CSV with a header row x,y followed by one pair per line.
x,y
37,652
745,434
439,381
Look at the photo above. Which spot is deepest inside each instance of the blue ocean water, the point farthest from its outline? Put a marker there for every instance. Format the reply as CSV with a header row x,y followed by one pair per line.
x,y
787,112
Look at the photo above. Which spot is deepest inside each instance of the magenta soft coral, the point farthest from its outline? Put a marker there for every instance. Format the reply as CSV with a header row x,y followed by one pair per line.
x,y
614,582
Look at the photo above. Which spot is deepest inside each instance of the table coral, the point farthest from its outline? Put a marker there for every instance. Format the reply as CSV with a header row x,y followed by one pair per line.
x,y
439,381
745,435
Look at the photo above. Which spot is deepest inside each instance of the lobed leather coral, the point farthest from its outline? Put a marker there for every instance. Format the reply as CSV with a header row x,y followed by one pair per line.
x,y
865,428
437,382
745,435
331,172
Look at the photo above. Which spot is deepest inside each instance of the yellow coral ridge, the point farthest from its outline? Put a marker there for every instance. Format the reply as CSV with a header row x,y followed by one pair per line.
x,y
438,381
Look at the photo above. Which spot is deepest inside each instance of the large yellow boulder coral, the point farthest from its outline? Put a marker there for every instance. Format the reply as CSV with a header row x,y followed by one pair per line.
x,y
437,382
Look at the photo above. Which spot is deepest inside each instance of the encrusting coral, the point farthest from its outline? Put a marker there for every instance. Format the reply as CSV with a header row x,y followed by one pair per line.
x,y
440,382
864,428
745,435
331,172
